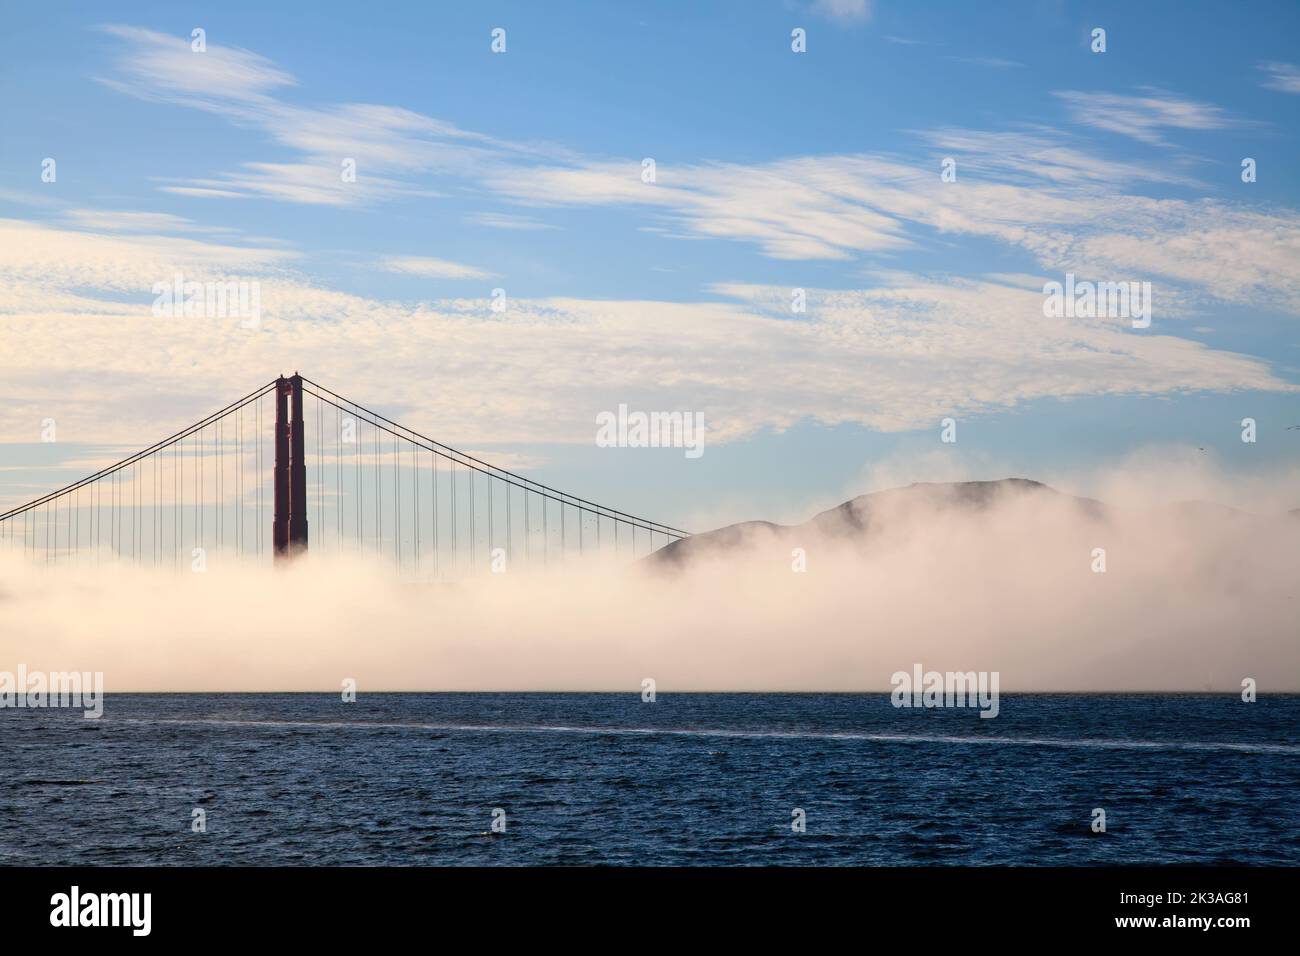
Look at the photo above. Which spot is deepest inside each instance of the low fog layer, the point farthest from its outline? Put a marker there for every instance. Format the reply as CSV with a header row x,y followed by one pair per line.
x,y
1194,597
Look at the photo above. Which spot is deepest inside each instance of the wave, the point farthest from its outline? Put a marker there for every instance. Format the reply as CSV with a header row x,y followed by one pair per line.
x,y
1212,746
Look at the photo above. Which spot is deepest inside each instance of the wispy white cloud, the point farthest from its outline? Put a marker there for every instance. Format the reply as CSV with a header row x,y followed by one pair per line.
x,y
1142,117
160,66
1206,247
51,259
844,11
1045,199
318,183
499,220
1043,153
433,268
1281,76
118,220
205,192
898,355
992,62
789,209
385,142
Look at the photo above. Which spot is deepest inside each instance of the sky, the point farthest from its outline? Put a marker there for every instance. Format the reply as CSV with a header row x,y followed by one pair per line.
x,y
774,170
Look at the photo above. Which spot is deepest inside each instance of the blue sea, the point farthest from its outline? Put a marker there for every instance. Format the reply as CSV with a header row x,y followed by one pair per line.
x,y
690,779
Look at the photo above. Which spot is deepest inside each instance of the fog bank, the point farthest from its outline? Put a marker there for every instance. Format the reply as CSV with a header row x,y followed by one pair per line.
x,y
1192,598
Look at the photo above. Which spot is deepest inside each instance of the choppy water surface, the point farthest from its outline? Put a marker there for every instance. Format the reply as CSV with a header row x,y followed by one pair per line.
x,y
413,779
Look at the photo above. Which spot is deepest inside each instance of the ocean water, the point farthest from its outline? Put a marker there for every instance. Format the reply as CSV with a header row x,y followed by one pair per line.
x,y
413,779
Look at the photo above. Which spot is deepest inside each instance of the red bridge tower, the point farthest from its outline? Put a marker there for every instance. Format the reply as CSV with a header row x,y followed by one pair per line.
x,y
289,532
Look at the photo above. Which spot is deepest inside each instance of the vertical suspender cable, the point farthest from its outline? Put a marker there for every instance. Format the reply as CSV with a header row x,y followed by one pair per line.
x,y
320,469
397,505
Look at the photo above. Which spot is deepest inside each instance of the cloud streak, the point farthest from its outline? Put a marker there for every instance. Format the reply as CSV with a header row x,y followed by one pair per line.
x,y
900,355
431,268
1143,117
1283,77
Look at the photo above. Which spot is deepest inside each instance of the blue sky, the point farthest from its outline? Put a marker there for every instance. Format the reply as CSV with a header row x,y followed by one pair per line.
x,y
775,170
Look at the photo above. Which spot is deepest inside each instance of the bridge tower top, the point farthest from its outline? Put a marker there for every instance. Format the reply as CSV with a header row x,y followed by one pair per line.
x,y
289,531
